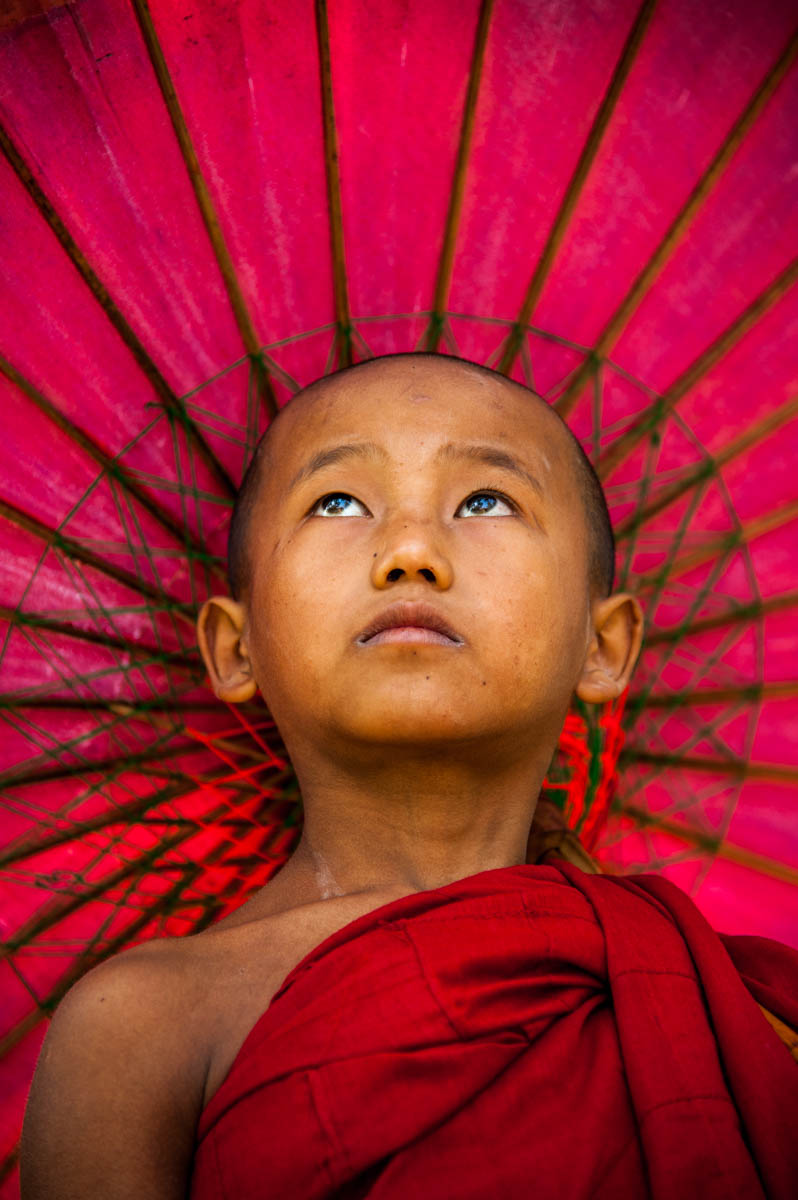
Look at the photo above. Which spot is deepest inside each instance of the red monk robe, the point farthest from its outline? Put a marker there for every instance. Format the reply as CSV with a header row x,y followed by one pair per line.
x,y
531,1031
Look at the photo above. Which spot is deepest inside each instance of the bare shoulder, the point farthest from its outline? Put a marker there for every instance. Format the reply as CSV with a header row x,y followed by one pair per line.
x,y
138,1047
118,1087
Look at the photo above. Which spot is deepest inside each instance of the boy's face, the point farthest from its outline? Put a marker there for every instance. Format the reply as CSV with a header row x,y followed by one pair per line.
x,y
428,484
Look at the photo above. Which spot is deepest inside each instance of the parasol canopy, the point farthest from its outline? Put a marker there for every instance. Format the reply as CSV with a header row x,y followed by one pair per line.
x,y
207,204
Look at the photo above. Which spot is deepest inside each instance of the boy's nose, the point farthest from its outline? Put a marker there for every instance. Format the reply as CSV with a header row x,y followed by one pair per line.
x,y
412,552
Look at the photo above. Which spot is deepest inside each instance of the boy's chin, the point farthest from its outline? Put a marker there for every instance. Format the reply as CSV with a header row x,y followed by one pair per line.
x,y
424,726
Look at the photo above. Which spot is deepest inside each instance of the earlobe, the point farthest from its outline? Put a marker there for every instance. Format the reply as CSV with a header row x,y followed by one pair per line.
x,y
613,650
220,630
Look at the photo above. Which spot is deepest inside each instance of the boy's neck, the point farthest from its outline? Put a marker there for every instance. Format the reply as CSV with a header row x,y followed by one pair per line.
x,y
407,827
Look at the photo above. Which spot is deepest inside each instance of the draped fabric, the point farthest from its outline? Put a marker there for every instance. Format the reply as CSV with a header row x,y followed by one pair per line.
x,y
528,1031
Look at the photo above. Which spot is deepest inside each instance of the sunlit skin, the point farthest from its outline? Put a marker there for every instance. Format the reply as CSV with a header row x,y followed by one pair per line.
x,y
419,753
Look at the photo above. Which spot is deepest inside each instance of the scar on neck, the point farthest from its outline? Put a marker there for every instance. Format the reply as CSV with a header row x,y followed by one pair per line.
x,y
324,877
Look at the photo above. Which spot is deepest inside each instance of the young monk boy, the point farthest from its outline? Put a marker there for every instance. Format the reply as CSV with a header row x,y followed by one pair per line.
x,y
421,565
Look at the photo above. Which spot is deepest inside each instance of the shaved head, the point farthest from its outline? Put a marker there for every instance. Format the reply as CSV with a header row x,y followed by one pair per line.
x,y
601,542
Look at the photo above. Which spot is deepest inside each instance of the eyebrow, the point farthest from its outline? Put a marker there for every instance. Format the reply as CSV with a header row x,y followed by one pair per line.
x,y
333,455
492,456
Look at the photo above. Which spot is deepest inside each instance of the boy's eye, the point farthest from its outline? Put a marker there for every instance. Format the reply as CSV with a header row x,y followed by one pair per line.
x,y
339,504
485,504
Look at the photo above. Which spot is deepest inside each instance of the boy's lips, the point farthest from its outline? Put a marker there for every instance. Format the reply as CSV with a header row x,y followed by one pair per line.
x,y
407,622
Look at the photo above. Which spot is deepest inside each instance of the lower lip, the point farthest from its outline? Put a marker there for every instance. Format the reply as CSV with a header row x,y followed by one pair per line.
x,y
415,634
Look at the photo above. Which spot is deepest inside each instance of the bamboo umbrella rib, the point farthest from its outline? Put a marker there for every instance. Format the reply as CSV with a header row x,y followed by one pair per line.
x,y
757,433
738,615
124,815
751,692
167,396
165,903
40,770
446,261
723,543
24,620
126,708
75,550
60,908
343,314
681,223
736,769
133,810
29,1022
620,449
210,217
577,182
713,844
109,465
41,923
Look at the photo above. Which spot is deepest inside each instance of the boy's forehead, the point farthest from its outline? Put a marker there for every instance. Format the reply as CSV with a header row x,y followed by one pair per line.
x,y
396,401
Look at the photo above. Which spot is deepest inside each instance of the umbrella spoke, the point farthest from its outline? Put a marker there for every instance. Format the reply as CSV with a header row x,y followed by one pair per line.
x,y
40,770
210,218
577,181
112,467
443,278
76,550
707,729
709,843
652,418
612,331
56,750
63,905
700,666
739,614
704,731
674,540
140,546
646,482
165,904
103,297
199,519
79,683
744,693
64,831
90,958
82,583
185,827
737,769
124,708
343,316
38,621
705,470
722,544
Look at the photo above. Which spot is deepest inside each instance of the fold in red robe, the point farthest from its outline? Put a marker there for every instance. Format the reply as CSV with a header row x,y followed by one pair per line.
x,y
530,1031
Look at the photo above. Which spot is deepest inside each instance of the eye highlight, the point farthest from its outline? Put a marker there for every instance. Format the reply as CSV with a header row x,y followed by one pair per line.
x,y
339,504
486,504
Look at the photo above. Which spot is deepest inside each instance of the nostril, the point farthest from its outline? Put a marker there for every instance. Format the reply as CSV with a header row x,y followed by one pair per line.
x,y
430,575
395,574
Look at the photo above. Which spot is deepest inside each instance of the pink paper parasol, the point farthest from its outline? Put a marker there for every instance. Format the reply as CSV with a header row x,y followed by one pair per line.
x,y
209,203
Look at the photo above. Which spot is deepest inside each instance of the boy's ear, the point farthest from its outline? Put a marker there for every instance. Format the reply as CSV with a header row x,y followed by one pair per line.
x,y
220,633
613,651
